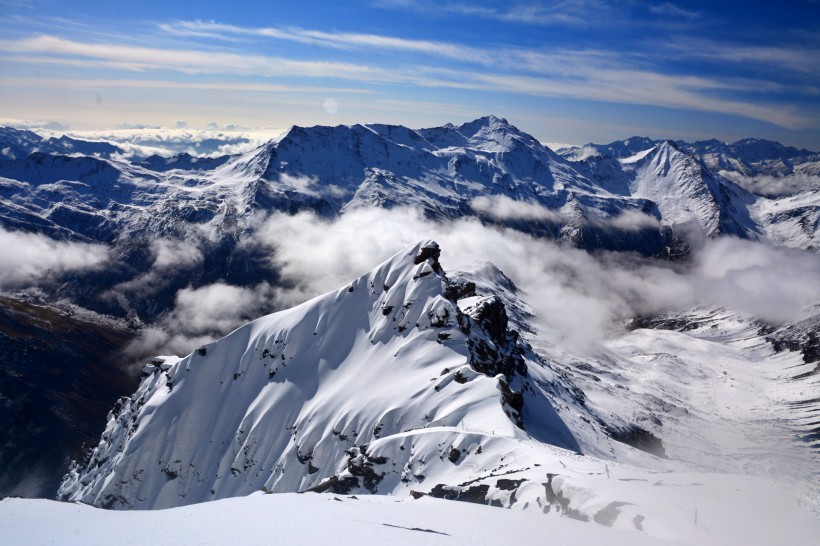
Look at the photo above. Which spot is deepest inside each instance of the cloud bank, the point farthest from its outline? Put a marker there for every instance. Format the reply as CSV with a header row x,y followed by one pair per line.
x,y
774,186
29,259
501,207
579,299
575,294
146,141
201,315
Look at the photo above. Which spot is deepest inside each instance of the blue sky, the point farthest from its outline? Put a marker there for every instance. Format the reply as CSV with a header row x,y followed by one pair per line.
x,y
567,71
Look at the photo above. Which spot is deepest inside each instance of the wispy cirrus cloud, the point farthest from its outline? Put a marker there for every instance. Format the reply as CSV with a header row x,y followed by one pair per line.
x,y
800,59
339,40
673,10
589,75
234,86
562,12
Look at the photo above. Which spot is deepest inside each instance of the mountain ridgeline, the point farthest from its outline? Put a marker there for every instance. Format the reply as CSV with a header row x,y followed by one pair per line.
x,y
410,380
652,197
401,378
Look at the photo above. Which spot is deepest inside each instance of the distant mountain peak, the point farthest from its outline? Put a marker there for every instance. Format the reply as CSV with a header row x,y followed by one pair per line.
x,y
485,122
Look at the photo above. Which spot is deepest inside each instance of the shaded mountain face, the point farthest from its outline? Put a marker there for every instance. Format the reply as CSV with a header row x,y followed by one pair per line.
x,y
59,376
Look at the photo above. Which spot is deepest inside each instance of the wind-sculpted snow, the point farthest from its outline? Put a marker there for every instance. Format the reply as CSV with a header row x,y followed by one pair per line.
x,y
376,387
411,383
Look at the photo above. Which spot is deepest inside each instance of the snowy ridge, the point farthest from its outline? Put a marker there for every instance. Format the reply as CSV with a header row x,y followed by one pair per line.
x,y
408,383
299,417
656,203
330,170
688,194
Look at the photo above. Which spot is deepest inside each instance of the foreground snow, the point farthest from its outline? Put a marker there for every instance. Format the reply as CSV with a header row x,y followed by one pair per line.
x,y
317,519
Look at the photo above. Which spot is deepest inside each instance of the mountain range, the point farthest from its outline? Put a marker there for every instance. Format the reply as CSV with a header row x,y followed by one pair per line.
x,y
416,380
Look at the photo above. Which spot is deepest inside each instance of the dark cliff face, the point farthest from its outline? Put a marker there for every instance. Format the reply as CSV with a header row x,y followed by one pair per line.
x,y
59,376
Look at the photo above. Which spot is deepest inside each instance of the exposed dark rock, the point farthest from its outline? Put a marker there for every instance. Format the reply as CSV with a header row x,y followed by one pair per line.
x,y
360,464
492,315
638,438
506,484
799,337
335,484
439,320
454,455
113,502
457,290
430,253
476,494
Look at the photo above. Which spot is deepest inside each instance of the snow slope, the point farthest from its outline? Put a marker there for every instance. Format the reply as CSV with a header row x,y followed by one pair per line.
x,y
298,519
409,383
688,194
436,375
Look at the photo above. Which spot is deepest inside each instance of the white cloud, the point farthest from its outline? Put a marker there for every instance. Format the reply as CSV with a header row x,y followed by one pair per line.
x,y
774,186
163,141
28,259
590,75
772,283
201,315
803,59
564,13
501,207
215,308
671,10
174,254
633,220
342,40
170,256
33,124
577,296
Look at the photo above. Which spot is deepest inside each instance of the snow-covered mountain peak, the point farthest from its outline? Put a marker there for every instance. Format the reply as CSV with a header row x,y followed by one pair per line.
x,y
490,122
353,390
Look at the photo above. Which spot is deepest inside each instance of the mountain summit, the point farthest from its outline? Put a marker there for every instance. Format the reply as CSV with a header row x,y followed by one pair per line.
x,y
391,381
411,383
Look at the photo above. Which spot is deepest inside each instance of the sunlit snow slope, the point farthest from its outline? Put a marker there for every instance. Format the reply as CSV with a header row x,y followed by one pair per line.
x,y
355,391
408,383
